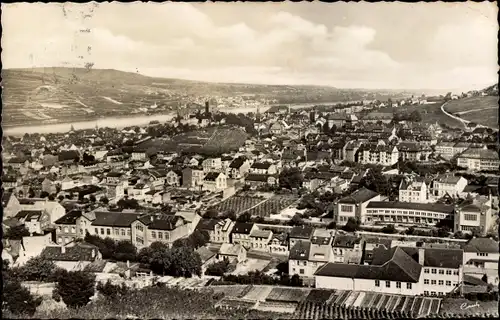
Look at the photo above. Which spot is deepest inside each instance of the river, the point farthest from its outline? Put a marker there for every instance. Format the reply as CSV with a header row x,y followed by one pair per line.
x,y
125,121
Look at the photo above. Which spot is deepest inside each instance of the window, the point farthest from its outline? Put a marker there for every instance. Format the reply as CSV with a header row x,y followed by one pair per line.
x,y
102,230
117,232
426,281
426,270
301,271
408,286
441,282
455,272
167,236
398,285
96,230
139,240
433,293
128,232
139,227
387,284
433,271
448,283
441,271
160,235
59,240
346,208
108,231
470,217
426,293
448,272
433,282
123,232
153,234
73,229
377,283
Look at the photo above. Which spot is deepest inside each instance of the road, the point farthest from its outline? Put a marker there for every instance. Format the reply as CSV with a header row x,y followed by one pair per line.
x,y
465,122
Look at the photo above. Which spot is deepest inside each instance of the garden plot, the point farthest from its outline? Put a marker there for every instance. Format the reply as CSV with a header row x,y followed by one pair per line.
x,y
350,299
287,295
237,204
258,293
276,306
250,265
272,206
319,296
415,308
229,291
236,303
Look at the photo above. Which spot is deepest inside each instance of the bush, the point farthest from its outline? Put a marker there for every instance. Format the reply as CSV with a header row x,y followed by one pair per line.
x,y
389,229
16,233
112,291
75,288
38,269
17,299
217,268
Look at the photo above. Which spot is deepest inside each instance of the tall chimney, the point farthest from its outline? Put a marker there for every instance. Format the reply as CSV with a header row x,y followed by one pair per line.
x,y
207,107
421,256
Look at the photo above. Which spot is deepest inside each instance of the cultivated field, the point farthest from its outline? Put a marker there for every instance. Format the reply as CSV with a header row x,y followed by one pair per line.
x,y
200,141
272,206
481,110
237,204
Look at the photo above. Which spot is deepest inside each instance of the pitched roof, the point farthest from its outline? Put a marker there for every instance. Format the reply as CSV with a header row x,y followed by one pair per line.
x,y
160,222
400,267
212,176
6,198
257,177
207,224
302,232
237,163
242,227
261,233
438,257
229,249
69,218
29,214
261,165
114,219
68,155
345,241
359,196
205,254
300,251
78,252
482,245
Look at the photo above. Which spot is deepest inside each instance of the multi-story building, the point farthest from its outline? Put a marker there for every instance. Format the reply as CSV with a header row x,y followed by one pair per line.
x,y
215,181
266,168
67,227
476,159
305,258
36,221
378,154
163,228
114,225
413,151
241,234
192,178
413,190
448,184
354,206
222,231
399,270
445,149
260,239
212,164
10,205
475,214
300,233
347,248
238,168
427,214
481,258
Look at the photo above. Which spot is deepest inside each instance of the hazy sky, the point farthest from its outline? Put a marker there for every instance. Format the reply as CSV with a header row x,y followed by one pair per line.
x,y
350,45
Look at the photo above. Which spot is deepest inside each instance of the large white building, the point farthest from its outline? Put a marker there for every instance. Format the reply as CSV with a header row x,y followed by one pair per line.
x,y
475,214
399,270
413,190
477,159
354,206
448,184
407,212
481,256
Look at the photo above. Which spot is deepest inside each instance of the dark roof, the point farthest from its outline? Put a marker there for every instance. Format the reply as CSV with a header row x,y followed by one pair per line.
x,y
242,227
359,196
486,245
160,222
68,155
302,232
345,241
400,267
69,218
433,207
207,224
438,257
257,177
114,219
29,214
114,174
261,165
300,251
212,176
78,252
237,163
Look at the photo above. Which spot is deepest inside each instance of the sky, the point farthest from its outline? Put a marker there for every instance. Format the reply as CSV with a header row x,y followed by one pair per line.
x,y
346,45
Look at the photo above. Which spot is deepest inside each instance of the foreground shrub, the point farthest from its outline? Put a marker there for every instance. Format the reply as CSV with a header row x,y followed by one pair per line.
x,y
16,298
75,288
112,291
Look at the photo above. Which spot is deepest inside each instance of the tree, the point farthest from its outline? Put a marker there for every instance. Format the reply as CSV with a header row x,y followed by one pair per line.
x,y
351,225
17,232
185,262
106,246
389,229
218,268
112,291
125,251
415,116
291,179
44,194
376,181
75,288
39,269
157,255
128,204
211,214
296,220
16,298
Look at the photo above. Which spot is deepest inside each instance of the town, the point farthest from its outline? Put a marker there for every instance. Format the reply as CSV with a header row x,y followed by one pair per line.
x,y
330,211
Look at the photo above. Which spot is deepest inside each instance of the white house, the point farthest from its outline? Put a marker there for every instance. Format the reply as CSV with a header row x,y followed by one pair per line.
x,y
354,205
413,190
448,184
481,258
